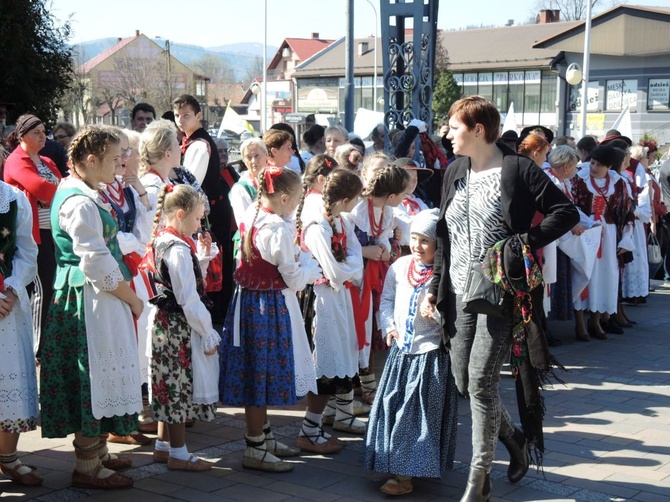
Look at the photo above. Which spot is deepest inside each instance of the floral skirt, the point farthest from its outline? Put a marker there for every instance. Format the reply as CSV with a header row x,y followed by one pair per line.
x,y
261,370
172,372
65,382
412,425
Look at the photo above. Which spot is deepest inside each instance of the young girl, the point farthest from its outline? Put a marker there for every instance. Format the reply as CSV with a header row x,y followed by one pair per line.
x,y
90,379
412,427
373,217
17,270
410,205
184,367
339,317
317,170
265,358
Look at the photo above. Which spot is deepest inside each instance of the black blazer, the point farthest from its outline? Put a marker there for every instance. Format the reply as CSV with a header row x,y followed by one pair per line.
x,y
525,190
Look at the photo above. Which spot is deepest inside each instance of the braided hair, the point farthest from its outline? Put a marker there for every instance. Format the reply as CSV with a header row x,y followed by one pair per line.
x,y
387,181
284,183
319,165
172,198
92,140
342,184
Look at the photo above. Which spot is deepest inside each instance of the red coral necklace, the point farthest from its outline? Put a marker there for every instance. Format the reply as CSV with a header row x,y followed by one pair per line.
x,y
375,228
418,276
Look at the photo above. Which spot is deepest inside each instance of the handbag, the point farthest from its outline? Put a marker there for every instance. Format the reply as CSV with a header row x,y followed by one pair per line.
x,y
654,256
480,294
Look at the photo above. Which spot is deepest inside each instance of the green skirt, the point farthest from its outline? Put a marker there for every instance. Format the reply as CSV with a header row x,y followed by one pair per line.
x,y
65,383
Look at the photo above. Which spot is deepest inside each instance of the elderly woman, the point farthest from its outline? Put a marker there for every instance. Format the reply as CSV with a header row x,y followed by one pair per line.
x,y
38,177
490,195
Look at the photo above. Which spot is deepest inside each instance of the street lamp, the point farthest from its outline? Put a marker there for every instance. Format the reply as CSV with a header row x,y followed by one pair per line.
x,y
585,67
374,78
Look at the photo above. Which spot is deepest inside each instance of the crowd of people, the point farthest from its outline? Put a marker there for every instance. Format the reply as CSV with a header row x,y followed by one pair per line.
x,y
148,280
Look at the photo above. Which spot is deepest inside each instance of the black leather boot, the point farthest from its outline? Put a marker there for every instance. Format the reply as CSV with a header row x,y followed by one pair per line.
x,y
519,461
478,488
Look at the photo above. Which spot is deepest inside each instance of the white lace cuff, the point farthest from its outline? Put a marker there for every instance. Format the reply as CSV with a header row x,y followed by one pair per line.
x,y
111,281
21,294
210,341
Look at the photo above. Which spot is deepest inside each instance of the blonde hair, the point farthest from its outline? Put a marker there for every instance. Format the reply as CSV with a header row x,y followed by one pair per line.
x,y
638,152
171,199
155,140
348,156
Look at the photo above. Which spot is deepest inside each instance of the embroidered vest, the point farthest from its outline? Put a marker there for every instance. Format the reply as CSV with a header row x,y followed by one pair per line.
x,y
68,271
258,274
165,298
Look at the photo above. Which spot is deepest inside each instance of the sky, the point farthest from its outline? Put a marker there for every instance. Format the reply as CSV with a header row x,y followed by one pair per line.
x,y
219,22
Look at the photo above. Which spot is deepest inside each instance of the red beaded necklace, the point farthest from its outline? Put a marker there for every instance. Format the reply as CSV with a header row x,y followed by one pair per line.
x,y
115,193
267,210
153,171
375,228
602,191
418,277
312,191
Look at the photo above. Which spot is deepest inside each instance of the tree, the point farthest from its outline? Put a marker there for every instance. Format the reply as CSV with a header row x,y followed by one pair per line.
x,y
572,10
215,68
34,57
445,92
254,71
76,102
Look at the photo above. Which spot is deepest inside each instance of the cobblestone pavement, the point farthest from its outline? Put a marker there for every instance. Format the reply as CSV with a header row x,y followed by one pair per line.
x,y
607,433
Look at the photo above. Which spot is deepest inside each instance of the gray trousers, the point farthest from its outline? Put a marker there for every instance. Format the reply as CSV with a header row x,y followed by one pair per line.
x,y
478,351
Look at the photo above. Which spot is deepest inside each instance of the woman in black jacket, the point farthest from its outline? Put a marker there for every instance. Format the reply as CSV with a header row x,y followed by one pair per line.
x,y
489,194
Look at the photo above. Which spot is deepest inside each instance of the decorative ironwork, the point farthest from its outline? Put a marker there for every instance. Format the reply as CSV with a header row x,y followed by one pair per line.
x,y
408,64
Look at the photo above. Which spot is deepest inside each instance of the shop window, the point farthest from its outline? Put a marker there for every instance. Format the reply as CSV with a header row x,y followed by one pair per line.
x,y
658,96
619,94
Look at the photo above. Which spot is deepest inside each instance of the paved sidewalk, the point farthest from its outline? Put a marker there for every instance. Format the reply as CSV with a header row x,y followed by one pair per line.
x,y
607,434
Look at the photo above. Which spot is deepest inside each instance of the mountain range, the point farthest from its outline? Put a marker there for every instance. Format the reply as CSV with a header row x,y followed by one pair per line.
x,y
239,56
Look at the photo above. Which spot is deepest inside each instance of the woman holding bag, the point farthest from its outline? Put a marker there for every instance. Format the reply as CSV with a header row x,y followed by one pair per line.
x,y
502,192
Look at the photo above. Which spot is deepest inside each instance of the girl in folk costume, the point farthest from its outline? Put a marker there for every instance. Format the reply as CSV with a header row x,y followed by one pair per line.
x,y
374,221
603,195
134,212
265,357
339,324
184,365
410,205
90,379
412,426
18,266
317,170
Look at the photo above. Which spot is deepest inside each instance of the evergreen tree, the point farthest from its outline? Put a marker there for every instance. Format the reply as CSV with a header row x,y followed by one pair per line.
x,y
445,93
35,60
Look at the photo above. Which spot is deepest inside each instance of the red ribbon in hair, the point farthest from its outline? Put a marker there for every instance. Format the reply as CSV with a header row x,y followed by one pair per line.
x,y
169,187
270,173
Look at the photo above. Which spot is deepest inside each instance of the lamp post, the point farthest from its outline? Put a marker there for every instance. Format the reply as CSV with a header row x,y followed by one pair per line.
x,y
264,97
585,66
374,78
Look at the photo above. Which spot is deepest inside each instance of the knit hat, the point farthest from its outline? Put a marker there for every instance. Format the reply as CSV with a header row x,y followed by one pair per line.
x,y
425,223
25,124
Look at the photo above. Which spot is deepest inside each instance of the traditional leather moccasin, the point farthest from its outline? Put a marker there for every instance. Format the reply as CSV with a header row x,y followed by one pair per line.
x,y
198,465
148,427
135,439
161,457
31,478
361,409
325,448
396,486
349,426
114,482
259,465
118,463
285,451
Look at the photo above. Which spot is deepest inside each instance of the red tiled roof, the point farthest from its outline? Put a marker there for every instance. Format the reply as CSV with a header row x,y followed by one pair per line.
x,y
303,48
92,63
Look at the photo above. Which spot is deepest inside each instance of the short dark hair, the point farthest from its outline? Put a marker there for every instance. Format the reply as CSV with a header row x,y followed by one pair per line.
x,y
563,140
473,110
186,99
143,107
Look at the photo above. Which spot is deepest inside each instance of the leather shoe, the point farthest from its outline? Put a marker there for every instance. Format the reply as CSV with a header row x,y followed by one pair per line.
x,y
160,457
519,462
395,486
597,334
582,337
118,463
612,327
197,465
148,427
326,448
259,465
134,439
31,478
113,482
478,488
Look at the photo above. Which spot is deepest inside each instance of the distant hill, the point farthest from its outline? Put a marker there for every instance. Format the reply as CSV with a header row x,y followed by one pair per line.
x,y
238,56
